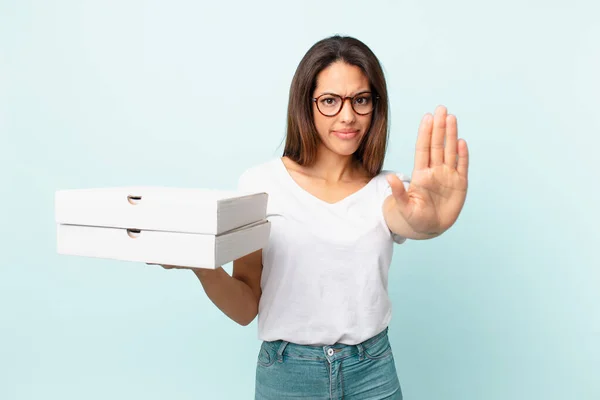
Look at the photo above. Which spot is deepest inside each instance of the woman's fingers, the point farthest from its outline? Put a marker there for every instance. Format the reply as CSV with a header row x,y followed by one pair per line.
x,y
398,190
433,132
450,149
463,158
437,137
166,266
423,143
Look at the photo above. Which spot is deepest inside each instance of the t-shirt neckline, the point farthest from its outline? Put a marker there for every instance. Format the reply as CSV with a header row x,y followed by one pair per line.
x,y
295,186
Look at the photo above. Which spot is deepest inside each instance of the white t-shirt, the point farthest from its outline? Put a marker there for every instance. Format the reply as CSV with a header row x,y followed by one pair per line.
x,y
325,268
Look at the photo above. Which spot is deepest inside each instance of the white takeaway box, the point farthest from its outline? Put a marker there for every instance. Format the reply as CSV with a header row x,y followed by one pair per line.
x,y
197,228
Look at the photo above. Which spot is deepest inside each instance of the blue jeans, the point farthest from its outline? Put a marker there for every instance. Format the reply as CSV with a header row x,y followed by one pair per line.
x,y
365,371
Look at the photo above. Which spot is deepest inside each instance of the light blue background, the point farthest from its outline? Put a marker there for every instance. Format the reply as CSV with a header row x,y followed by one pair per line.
x,y
505,305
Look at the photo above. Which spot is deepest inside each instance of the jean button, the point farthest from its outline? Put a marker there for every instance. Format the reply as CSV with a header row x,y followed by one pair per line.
x,y
330,352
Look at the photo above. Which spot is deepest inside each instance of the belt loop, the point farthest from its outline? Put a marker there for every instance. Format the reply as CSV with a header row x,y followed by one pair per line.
x,y
361,351
280,350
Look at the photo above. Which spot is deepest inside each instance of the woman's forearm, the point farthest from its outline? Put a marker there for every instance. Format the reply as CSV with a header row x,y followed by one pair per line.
x,y
232,296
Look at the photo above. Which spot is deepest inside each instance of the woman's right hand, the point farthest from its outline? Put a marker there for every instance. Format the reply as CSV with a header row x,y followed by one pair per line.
x,y
169,266
200,272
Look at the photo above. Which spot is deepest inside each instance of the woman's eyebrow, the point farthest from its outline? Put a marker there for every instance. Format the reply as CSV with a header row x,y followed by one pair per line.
x,y
337,94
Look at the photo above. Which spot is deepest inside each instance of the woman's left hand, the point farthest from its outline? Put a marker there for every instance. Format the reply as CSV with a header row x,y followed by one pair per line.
x,y
438,186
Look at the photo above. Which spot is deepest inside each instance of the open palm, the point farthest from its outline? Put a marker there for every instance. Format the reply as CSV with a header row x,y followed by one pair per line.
x,y
438,186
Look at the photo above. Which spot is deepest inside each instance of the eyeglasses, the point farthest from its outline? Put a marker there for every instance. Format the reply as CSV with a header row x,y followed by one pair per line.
x,y
330,104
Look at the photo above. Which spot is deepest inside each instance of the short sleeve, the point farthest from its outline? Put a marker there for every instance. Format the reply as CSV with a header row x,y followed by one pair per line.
x,y
245,182
388,191
256,179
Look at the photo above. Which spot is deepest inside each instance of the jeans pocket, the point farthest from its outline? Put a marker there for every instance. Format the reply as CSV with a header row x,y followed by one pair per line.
x,y
266,356
379,349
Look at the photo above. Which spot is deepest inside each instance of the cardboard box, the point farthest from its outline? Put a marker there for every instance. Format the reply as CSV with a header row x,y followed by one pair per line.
x,y
195,228
160,208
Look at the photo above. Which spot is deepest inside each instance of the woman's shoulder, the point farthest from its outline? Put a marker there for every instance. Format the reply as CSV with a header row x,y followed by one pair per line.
x,y
267,166
258,174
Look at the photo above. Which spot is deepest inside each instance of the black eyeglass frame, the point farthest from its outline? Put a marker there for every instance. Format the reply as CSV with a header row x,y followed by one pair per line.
x,y
375,98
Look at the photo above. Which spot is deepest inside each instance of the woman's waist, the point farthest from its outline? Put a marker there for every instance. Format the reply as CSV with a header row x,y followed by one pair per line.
x,y
320,351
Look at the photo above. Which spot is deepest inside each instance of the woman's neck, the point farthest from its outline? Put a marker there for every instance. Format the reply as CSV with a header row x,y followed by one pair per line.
x,y
334,168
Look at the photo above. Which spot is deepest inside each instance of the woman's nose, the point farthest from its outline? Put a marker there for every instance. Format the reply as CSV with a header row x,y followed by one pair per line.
x,y
347,113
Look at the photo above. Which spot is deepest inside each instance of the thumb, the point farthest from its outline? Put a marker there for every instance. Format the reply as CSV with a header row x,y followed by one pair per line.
x,y
398,191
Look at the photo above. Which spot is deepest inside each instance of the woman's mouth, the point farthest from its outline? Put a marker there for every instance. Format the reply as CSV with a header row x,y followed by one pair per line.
x,y
346,134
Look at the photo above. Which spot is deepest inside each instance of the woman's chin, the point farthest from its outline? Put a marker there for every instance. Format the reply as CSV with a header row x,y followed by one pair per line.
x,y
346,150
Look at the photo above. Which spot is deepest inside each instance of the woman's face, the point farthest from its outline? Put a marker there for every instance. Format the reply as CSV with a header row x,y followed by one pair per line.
x,y
342,133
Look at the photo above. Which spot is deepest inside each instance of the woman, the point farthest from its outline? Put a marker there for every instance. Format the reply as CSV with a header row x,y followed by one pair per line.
x,y
319,288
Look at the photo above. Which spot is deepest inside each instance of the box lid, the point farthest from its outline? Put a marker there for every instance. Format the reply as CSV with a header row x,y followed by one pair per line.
x,y
160,208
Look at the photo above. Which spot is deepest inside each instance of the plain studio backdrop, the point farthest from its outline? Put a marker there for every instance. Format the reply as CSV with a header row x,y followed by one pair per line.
x,y
505,305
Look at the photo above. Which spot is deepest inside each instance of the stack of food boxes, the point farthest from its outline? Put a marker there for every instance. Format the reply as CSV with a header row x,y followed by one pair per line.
x,y
196,228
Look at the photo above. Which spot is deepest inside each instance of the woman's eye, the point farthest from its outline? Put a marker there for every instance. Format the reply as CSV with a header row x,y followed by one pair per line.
x,y
329,101
363,100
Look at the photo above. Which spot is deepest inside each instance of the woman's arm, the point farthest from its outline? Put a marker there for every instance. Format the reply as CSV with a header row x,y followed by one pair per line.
x,y
237,295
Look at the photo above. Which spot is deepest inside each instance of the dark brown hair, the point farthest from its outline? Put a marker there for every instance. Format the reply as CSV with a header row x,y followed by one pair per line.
x,y
301,136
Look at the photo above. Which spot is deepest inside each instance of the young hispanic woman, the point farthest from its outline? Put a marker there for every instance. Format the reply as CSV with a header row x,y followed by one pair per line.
x,y
319,287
